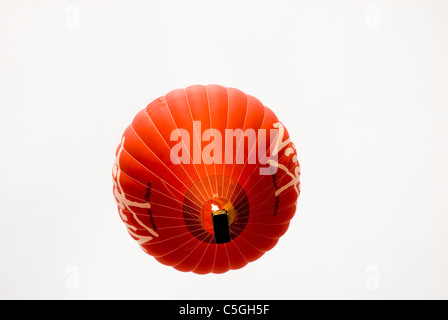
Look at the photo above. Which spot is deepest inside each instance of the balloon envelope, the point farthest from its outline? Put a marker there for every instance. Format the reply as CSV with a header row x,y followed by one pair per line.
x,y
198,153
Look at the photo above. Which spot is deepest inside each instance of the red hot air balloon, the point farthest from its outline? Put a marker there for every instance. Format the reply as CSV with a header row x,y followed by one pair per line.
x,y
206,179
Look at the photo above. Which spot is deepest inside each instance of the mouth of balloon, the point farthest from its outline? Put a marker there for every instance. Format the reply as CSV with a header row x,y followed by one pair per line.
x,y
202,203
211,207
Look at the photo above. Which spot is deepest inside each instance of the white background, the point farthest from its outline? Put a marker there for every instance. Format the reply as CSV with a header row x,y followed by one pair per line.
x,y
360,85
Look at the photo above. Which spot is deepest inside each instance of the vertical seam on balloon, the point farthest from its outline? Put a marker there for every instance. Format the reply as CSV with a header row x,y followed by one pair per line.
x,y
227,127
205,168
250,152
214,259
227,255
191,159
237,149
192,120
211,127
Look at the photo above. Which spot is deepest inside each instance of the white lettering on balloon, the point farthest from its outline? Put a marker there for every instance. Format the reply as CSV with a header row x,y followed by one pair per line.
x,y
126,204
294,173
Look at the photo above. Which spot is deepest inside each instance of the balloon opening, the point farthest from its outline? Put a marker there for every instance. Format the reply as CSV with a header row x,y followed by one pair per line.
x,y
214,207
229,196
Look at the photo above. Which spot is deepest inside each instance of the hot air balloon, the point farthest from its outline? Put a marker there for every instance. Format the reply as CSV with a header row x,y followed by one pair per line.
x,y
206,179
